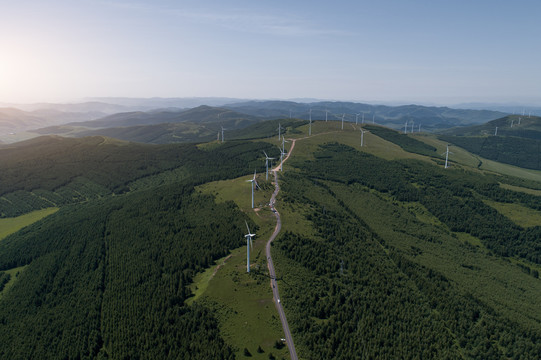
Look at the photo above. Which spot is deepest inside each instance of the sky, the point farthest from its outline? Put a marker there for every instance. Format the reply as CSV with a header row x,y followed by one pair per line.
x,y
385,51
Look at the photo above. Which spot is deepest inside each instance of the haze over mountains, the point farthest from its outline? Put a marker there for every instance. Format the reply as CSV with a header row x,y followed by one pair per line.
x,y
205,116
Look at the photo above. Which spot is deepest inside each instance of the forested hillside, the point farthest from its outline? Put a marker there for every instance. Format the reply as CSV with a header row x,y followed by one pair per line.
x,y
376,259
514,140
374,280
51,171
107,277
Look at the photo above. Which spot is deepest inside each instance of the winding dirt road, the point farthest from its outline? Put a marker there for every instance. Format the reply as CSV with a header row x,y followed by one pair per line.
x,y
274,284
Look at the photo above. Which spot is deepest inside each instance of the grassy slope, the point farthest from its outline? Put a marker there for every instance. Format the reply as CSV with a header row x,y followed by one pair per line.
x,y
247,315
243,301
495,280
11,225
463,157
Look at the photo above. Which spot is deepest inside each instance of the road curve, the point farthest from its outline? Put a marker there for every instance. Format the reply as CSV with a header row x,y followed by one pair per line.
x,y
274,284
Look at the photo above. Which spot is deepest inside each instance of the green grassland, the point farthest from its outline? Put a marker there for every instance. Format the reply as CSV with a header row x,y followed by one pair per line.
x,y
13,276
520,215
11,225
521,189
464,157
243,301
493,280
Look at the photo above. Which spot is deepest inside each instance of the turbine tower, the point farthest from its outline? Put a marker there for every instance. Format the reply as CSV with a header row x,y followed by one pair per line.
x,y
374,118
249,245
357,119
326,113
223,133
280,128
267,158
362,136
447,152
419,127
362,122
412,126
496,132
282,152
406,128
343,121
254,184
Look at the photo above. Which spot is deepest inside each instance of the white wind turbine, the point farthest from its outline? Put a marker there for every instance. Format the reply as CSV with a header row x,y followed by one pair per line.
x,y
254,184
343,121
280,128
326,113
419,127
267,158
447,152
406,128
362,135
249,245
282,152
223,133
412,126
357,119
496,132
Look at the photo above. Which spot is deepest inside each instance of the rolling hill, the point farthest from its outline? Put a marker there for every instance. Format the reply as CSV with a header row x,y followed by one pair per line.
x,y
517,140
431,118
383,253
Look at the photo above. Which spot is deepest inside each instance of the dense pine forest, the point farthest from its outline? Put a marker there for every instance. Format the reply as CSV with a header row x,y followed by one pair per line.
x,y
107,278
355,292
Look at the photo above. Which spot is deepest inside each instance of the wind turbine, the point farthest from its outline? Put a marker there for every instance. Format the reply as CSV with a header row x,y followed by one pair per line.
x,y
419,127
362,135
249,245
343,121
254,184
279,129
496,132
512,122
519,118
362,122
447,152
374,118
406,128
223,133
356,119
267,158
326,113
412,126
310,129
282,152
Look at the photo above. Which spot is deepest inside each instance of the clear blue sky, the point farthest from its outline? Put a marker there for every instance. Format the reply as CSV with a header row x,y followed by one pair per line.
x,y
433,51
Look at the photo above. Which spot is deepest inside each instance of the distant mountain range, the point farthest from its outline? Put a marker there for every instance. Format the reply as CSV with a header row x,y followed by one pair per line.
x,y
176,119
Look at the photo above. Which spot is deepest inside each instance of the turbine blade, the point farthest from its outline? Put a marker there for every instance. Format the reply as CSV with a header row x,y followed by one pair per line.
x,y
246,222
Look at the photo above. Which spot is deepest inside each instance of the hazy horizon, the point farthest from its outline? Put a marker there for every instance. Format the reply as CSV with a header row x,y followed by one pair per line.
x,y
389,52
